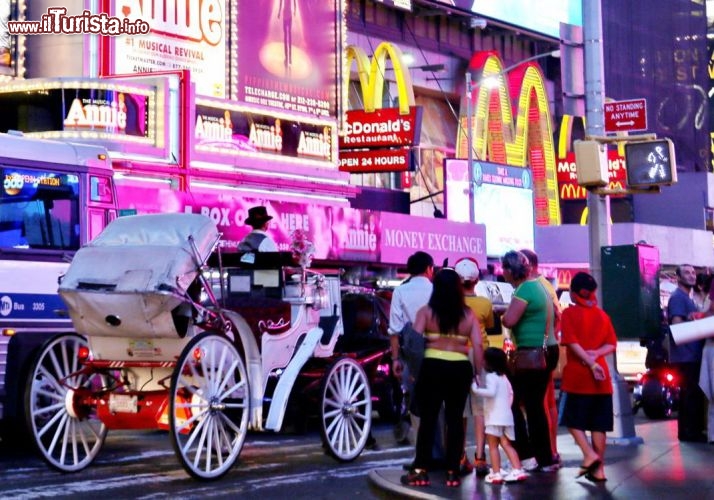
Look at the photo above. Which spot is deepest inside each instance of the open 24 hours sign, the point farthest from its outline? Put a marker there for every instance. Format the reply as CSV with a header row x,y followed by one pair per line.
x,y
380,141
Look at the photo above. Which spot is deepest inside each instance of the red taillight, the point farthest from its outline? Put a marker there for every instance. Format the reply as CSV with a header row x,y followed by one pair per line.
x,y
668,376
83,353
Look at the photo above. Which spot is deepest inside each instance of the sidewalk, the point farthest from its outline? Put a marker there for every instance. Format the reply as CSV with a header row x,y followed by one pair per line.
x,y
661,468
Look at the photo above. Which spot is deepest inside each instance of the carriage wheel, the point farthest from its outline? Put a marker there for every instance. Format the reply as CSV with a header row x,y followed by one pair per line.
x,y
346,410
63,423
209,406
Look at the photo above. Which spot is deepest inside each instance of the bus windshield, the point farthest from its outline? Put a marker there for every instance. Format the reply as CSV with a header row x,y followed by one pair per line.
x,y
39,209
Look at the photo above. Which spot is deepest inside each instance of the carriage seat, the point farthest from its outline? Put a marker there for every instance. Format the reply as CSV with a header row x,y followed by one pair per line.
x,y
263,314
256,294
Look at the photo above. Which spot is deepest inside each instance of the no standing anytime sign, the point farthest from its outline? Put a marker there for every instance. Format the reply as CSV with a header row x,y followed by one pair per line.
x,y
626,116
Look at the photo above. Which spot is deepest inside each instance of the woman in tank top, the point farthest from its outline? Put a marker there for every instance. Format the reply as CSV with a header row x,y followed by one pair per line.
x,y
450,328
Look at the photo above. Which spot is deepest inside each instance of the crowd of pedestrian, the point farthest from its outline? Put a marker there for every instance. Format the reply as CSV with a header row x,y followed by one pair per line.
x,y
512,401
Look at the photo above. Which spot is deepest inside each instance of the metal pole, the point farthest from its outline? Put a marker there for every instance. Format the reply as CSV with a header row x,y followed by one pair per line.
x,y
469,141
599,206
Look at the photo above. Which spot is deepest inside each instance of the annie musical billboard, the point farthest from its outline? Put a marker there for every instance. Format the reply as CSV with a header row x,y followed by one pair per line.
x,y
288,54
184,34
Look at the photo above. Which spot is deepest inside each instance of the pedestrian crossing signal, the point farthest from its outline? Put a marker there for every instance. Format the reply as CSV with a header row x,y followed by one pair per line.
x,y
650,163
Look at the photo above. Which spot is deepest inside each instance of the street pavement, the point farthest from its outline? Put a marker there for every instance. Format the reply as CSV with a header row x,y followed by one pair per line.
x,y
659,467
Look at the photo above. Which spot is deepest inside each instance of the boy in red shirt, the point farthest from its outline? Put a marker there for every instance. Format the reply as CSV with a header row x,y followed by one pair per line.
x,y
589,336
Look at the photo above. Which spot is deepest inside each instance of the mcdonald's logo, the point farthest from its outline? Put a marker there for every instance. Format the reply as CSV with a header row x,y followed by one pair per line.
x,y
564,277
496,138
371,76
375,128
571,191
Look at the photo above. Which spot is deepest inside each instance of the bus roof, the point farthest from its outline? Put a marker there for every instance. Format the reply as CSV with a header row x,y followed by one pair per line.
x,y
22,147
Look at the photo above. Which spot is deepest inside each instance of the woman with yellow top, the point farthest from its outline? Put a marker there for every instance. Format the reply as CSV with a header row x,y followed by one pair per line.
x,y
450,328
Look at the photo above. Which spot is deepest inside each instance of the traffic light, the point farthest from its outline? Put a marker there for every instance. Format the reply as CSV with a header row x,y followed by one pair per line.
x,y
650,163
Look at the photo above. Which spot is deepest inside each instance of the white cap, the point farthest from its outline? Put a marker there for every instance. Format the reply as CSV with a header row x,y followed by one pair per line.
x,y
467,268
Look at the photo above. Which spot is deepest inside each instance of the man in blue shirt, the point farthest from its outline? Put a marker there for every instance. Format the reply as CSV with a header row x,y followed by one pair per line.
x,y
687,359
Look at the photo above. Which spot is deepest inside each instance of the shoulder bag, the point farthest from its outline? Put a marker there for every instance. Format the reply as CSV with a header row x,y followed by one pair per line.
x,y
529,359
412,348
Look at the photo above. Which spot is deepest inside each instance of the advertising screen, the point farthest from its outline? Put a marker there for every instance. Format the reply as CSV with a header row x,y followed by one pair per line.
x,y
287,55
91,110
228,129
184,35
542,17
503,202
338,232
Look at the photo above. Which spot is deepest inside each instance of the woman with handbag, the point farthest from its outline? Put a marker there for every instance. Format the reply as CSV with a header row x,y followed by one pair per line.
x,y
446,373
589,336
530,316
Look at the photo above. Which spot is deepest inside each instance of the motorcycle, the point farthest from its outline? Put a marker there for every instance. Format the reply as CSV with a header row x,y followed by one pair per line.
x,y
657,392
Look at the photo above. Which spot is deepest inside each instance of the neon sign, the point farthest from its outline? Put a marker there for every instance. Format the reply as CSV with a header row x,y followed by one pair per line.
x,y
524,141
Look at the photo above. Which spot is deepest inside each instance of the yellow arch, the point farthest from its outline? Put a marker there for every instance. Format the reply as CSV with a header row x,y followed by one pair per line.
x,y
514,137
372,80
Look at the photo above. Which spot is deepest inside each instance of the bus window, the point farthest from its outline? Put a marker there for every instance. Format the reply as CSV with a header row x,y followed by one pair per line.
x,y
39,209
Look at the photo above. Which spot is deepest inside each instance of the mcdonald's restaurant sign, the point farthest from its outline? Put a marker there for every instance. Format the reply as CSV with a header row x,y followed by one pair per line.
x,y
564,276
379,139
569,189
526,141
568,179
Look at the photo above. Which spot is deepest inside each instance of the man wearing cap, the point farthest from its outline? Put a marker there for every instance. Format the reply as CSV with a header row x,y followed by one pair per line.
x,y
258,240
482,307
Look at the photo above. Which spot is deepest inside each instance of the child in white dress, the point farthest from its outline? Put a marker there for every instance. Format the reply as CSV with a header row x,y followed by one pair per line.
x,y
498,397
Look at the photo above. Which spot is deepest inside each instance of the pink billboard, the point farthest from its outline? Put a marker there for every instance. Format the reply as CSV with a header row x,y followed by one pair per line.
x,y
183,34
443,239
337,232
287,54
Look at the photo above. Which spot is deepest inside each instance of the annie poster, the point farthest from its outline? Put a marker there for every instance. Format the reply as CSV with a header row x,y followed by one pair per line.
x,y
287,55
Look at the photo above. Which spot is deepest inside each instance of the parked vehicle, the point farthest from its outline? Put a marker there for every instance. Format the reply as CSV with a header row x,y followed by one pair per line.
x,y
56,197
205,345
657,392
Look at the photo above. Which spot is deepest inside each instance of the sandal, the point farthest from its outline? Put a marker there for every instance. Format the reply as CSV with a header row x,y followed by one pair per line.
x,y
589,469
415,477
452,479
594,479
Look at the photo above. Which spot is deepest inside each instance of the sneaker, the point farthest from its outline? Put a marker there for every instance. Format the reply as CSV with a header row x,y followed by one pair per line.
x,y
548,468
494,478
515,476
529,464
465,467
480,466
557,460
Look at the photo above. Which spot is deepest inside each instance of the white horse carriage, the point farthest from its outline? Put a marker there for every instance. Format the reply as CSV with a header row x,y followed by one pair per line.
x,y
164,340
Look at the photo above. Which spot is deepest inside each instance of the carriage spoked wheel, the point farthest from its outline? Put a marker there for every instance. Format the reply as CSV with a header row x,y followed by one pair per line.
x,y
209,406
58,406
346,410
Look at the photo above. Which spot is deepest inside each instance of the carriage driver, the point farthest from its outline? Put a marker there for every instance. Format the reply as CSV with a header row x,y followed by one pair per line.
x,y
258,240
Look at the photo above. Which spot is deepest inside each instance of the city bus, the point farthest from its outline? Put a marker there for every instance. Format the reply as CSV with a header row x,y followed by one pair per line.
x,y
56,197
